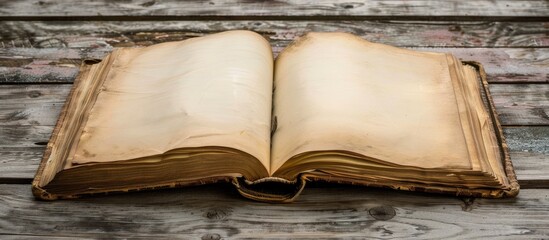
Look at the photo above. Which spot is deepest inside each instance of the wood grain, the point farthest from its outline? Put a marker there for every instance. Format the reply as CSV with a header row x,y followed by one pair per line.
x,y
531,140
249,9
51,51
217,211
18,162
79,34
529,148
531,167
522,104
37,105
24,136
35,65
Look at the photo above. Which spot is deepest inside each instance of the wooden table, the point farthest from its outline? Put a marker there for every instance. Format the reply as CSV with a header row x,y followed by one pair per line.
x,y
42,43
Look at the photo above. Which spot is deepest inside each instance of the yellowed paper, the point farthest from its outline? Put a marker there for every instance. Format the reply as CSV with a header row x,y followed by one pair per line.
x,y
337,92
208,91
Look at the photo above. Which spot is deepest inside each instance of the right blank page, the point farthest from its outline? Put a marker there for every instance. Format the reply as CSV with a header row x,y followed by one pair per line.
x,y
337,92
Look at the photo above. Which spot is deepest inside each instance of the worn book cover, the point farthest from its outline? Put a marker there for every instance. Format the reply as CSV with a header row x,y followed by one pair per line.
x,y
331,107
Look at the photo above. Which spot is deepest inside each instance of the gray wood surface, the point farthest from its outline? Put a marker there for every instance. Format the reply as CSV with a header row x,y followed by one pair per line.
x,y
301,8
218,212
39,59
79,34
522,104
50,51
45,65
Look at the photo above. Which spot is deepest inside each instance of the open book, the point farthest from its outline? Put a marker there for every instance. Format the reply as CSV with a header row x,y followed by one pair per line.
x,y
331,107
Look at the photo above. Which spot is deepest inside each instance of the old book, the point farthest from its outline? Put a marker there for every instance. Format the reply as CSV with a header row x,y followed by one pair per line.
x,y
331,107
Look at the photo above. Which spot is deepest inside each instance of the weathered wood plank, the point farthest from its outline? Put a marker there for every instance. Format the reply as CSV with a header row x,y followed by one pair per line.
x,y
529,140
529,147
531,167
512,65
34,65
218,212
39,105
308,8
522,104
19,164
398,33
24,136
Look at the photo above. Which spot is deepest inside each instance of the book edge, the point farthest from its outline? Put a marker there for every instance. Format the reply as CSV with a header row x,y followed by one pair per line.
x,y
38,191
506,157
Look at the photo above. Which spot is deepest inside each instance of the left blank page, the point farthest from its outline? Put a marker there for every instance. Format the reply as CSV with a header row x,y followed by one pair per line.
x,y
207,91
